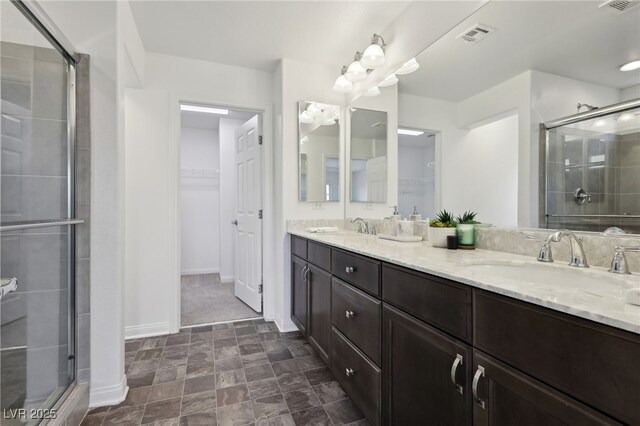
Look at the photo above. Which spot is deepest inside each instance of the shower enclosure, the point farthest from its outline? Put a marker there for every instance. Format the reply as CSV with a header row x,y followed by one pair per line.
x,y
37,329
592,170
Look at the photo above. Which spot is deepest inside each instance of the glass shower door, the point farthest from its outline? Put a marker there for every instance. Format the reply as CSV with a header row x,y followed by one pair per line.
x,y
37,238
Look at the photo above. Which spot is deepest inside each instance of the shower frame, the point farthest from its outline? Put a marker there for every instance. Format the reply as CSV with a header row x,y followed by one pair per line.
x,y
544,152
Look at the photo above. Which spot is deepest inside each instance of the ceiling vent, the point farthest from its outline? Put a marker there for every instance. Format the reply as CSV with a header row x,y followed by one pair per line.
x,y
619,6
476,33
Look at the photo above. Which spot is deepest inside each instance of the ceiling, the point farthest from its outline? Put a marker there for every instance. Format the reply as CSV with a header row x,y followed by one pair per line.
x,y
368,124
203,120
574,39
416,141
256,34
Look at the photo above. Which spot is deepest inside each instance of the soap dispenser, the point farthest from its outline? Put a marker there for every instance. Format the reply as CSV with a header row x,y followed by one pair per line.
x,y
415,216
393,222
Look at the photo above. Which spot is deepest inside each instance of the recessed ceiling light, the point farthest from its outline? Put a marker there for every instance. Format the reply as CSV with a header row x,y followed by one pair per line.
x,y
630,66
208,110
409,132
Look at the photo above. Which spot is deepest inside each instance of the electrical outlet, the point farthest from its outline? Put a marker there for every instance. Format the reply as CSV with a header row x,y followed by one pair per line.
x,y
368,206
317,206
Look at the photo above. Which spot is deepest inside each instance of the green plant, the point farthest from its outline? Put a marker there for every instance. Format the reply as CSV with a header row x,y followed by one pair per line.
x,y
444,219
467,218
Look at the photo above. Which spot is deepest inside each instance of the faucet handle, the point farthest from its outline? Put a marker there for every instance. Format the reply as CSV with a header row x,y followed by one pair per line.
x,y
619,262
545,254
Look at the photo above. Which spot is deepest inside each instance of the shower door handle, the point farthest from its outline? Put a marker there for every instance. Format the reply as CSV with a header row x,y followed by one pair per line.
x,y
8,285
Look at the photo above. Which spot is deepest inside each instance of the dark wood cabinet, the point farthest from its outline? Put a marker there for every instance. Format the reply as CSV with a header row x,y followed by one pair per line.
x,y
426,374
503,396
319,316
299,293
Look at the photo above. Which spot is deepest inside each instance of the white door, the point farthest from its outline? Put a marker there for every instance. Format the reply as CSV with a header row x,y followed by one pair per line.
x,y
248,285
377,179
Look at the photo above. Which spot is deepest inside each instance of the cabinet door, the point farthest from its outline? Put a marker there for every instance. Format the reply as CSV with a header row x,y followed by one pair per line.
x,y
299,293
505,396
426,374
319,328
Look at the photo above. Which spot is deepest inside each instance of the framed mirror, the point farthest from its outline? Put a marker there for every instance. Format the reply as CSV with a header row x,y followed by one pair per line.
x,y
318,152
368,156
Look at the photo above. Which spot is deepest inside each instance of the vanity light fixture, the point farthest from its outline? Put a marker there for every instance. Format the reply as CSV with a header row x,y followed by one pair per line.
x,y
313,110
630,66
342,85
306,118
208,110
389,81
356,72
409,132
408,67
374,91
373,55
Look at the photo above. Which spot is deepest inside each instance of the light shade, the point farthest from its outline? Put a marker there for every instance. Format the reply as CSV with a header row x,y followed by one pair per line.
x,y
306,118
630,66
408,67
356,72
389,81
313,110
374,91
208,110
342,85
373,56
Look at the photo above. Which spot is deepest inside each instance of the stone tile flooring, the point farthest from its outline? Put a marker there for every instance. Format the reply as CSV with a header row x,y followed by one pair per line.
x,y
243,373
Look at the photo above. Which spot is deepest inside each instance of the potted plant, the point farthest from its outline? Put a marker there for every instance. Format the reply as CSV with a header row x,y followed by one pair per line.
x,y
439,228
467,229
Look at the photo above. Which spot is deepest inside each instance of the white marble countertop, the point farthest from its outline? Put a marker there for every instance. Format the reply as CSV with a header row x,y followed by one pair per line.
x,y
604,304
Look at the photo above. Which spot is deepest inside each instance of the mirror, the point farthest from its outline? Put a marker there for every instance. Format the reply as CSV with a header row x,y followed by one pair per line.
x,y
482,92
319,152
368,156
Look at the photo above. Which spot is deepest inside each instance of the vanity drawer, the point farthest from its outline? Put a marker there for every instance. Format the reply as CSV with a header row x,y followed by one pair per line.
x,y
434,300
360,378
319,255
357,315
593,363
358,270
299,247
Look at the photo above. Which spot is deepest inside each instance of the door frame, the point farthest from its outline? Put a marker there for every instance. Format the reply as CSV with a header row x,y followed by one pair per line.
x,y
268,202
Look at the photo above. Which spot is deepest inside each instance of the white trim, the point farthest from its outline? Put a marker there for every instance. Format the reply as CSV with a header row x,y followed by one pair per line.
x,y
108,395
200,271
221,322
228,279
146,330
286,325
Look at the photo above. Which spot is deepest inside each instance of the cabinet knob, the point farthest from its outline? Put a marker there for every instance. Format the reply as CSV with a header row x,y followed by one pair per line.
x,y
350,269
349,314
474,386
350,372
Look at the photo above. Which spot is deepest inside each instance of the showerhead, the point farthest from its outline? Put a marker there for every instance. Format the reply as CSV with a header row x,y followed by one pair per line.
x,y
587,106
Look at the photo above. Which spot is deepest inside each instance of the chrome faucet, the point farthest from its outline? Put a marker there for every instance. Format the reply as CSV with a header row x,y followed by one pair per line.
x,y
619,262
545,254
577,255
363,226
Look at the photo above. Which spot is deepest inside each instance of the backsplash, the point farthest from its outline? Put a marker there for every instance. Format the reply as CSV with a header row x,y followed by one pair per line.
x,y
598,248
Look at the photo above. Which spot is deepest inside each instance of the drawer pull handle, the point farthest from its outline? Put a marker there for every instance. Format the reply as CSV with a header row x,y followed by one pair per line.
x,y
303,273
306,275
350,269
349,314
454,368
350,372
474,386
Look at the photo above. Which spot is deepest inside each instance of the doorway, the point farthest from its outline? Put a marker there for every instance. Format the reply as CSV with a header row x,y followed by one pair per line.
x,y
220,205
416,172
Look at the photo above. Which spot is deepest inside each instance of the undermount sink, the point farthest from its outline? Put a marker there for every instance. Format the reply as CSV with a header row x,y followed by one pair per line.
x,y
594,282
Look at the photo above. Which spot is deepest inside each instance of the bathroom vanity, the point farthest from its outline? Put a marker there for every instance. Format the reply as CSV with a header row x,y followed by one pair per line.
x,y
415,339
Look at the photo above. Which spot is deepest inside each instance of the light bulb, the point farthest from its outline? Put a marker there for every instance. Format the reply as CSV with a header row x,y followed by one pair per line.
x,y
356,72
374,91
389,81
342,85
408,67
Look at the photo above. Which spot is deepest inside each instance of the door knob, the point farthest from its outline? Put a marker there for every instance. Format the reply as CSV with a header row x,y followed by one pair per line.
x,y
234,222
350,372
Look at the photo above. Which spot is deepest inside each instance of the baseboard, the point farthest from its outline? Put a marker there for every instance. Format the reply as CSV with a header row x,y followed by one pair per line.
x,y
108,395
146,330
286,325
228,279
200,271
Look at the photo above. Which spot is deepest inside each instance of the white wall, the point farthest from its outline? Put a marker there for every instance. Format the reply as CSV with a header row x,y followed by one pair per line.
x,y
228,194
200,203
149,271
629,93
414,162
485,163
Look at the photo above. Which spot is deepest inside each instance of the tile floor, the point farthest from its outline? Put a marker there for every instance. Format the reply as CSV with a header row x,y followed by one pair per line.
x,y
242,373
206,300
